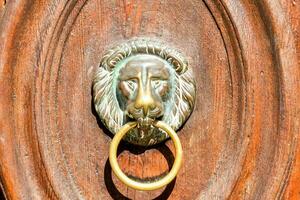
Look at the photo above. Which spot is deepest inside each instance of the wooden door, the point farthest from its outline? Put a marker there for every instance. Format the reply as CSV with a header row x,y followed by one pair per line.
x,y
241,141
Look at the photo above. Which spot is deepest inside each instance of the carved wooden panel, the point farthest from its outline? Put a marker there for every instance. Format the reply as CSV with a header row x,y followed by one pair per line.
x,y
239,143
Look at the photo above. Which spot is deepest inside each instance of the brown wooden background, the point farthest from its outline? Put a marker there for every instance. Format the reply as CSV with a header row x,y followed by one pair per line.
x,y
240,143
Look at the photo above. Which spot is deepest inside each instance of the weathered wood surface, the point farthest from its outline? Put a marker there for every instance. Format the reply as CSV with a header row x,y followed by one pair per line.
x,y
292,8
240,142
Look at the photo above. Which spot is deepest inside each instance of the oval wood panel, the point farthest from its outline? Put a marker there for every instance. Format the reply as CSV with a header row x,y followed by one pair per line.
x,y
239,143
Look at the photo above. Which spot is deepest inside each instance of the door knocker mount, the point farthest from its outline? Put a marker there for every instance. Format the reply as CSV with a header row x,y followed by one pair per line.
x,y
143,92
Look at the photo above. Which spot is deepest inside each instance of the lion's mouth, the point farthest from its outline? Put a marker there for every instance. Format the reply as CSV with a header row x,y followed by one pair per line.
x,y
145,122
144,118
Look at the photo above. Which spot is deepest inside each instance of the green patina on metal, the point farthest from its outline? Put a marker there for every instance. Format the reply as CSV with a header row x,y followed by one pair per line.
x,y
143,80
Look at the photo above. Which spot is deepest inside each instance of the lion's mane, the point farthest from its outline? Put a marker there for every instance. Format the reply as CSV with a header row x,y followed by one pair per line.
x,y
105,100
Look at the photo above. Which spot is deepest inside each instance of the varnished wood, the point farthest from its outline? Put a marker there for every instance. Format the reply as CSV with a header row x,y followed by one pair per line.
x,y
241,142
292,9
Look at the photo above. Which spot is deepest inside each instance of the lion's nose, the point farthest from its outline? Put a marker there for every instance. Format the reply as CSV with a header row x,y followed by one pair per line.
x,y
145,100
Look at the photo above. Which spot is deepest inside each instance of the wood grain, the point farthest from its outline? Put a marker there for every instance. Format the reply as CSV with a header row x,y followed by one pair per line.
x,y
239,143
293,185
2,6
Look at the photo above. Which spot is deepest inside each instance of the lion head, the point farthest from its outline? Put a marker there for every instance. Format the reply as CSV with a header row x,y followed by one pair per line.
x,y
143,80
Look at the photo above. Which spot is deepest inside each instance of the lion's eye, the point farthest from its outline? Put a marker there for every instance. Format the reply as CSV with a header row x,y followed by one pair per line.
x,y
131,84
156,83
160,86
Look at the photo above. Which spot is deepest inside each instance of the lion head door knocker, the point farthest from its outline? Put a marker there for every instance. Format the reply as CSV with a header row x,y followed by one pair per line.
x,y
144,91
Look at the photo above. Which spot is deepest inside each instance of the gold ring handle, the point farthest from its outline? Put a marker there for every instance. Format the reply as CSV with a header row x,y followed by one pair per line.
x,y
138,185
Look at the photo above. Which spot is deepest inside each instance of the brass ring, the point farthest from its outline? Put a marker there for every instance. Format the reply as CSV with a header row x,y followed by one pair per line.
x,y
138,185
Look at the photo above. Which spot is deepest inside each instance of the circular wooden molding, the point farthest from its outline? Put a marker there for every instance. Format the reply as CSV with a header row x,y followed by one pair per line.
x,y
239,143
